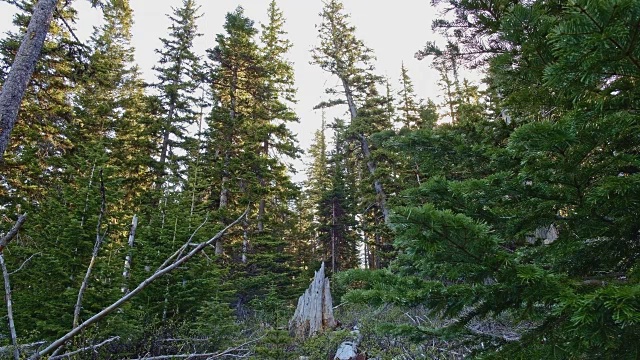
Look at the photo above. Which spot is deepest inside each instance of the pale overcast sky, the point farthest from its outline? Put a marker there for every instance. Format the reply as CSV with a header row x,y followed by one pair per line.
x,y
395,30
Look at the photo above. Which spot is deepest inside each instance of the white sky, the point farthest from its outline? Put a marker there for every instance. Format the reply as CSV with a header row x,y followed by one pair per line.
x,y
395,30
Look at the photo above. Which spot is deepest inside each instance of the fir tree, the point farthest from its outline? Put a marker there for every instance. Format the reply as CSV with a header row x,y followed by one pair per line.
x,y
179,75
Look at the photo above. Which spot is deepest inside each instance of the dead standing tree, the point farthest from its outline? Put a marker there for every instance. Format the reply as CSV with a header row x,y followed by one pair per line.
x,y
7,286
314,313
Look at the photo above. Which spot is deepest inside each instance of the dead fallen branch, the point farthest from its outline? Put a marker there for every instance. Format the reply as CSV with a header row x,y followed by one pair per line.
x,y
166,268
86,348
231,352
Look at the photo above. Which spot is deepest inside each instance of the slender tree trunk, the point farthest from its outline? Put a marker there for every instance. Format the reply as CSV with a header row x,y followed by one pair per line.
x,y
245,240
224,192
7,297
378,242
86,200
126,273
165,306
197,163
333,235
263,184
94,255
22,69
364,144
165,144
166,131
4,241
224,197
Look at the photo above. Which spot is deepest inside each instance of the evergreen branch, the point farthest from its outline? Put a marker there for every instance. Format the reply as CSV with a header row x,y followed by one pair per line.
x,y
600,28
145,283
179,252
70,29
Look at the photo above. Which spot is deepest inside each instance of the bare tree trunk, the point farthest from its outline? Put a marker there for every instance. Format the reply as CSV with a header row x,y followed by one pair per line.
x,y
173,262
94,255
364,144
197,166
165,306
22,69
224,192
314,313
224,196
7,297
333,235
4,241
245,240
126,273
86,200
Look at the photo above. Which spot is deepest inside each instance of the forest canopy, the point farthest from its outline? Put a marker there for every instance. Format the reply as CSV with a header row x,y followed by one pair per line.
x,y
501,218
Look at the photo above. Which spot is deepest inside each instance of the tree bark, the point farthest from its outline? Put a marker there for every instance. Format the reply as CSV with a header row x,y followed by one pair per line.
x,y
224,192
126,273
364,144
94,255
4,241
7,297
22,69
314,313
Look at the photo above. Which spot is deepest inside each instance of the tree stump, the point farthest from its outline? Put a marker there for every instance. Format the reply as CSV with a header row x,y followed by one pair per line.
x,y
314,313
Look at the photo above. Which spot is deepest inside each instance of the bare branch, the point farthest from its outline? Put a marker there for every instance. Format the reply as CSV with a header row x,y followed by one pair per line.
x,y
94,255
13,232
7,296
92,347
106,311
24,263
207,356
179,252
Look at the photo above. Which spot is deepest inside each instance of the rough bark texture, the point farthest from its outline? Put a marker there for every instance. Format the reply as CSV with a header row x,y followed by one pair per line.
x,y
314,313
22,69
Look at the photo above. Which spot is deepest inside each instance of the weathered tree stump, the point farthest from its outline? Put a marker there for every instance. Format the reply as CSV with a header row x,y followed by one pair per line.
x,y
314,313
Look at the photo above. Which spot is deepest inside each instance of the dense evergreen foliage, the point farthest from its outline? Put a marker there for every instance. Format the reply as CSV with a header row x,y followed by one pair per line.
x,y
506,213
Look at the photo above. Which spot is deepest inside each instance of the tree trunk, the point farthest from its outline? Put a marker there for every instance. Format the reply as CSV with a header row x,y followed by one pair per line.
x,y
94,256
7,297
22,69
126,273
314,313
381,198
224,192
333,235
